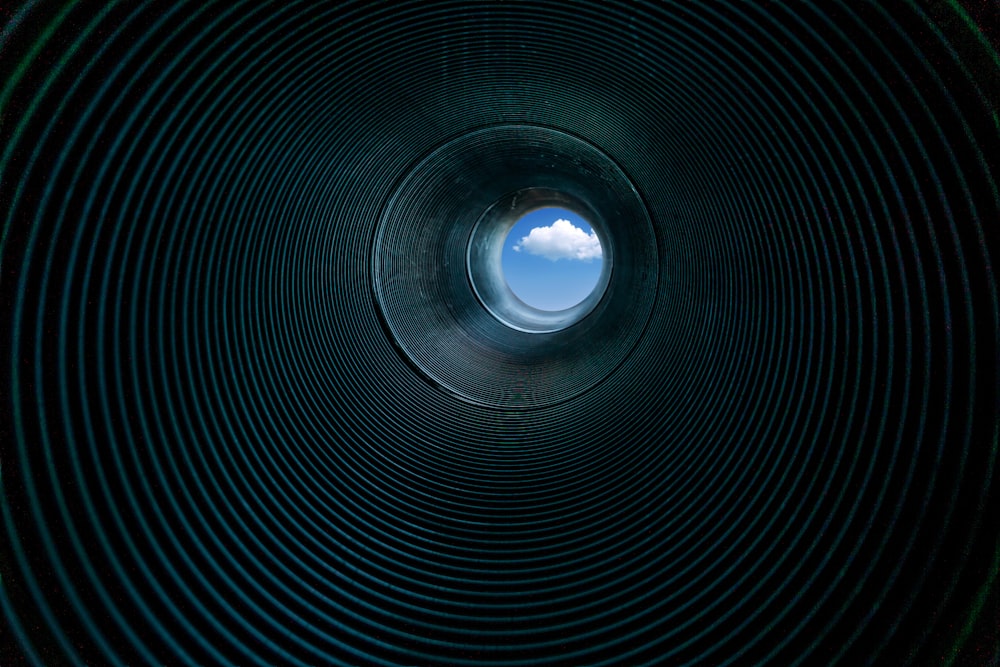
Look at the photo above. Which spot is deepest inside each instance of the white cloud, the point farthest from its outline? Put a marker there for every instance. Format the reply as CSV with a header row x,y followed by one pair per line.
x,y
561,240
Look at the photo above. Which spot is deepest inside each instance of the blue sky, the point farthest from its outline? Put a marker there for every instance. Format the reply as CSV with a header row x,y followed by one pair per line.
x,y
552,259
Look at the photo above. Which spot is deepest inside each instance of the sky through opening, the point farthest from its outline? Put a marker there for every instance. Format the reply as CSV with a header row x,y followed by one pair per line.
x,y
552,259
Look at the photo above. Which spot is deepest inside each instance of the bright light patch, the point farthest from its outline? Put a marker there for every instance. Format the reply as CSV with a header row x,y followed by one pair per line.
x,y
561,240
552,259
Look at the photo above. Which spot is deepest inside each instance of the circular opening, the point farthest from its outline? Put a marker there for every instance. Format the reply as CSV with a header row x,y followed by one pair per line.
x,y
538,288
552,259
438,280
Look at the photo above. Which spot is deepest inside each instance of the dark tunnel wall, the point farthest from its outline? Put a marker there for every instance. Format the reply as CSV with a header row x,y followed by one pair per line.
x,y
255,414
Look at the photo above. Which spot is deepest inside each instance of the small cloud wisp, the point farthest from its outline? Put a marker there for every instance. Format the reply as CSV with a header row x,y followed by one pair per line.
x,y
561,240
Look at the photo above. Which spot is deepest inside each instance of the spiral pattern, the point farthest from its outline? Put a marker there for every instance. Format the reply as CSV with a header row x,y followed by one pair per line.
x,y
256,415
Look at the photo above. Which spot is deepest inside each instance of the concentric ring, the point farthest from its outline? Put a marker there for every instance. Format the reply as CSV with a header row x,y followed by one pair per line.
x,y
484,259
261,406
441,290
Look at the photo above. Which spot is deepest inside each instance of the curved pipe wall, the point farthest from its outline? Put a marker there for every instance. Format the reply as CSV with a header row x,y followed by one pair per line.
x,y
256,414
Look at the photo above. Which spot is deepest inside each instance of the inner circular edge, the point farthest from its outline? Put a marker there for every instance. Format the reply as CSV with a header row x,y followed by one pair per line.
x,y
485,254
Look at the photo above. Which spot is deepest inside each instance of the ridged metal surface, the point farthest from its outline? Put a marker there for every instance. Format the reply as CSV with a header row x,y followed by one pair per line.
x,y
231,436
425,274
